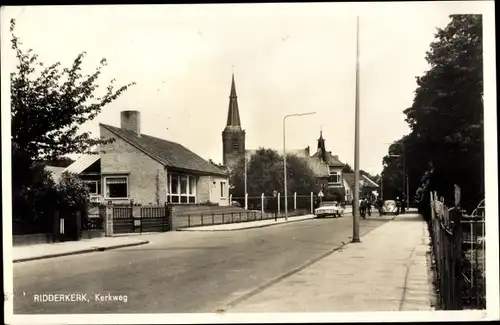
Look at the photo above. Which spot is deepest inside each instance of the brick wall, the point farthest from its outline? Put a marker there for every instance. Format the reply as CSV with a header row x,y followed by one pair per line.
x,y
120,156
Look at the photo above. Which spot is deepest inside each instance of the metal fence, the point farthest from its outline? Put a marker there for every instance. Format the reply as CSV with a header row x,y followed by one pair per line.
x,y
219,218
305,203
131,219
458,241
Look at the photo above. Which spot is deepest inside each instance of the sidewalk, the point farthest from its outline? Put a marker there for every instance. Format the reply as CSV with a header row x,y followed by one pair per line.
x,y
249,224
387,271
50,250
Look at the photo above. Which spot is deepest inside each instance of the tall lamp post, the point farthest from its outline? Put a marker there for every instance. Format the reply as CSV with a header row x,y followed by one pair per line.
x,y
284,158
355,214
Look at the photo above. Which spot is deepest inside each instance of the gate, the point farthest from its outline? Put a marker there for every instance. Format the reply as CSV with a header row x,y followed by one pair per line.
x,y
133,219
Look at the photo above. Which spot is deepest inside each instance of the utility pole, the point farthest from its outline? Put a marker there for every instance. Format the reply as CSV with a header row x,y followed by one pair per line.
x,y
355,212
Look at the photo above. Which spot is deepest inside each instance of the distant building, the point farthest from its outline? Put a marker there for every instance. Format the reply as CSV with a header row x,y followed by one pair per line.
x,y
233,136
366,185
326,166
144,169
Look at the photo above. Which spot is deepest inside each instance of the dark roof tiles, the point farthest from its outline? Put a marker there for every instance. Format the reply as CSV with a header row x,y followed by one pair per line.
x,y
170,154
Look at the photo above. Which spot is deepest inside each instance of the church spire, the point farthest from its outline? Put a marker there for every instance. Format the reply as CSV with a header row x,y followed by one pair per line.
x,y
233,114
321,145
321,140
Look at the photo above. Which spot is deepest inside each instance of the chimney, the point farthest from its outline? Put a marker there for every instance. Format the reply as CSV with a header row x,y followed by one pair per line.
x,y
131,120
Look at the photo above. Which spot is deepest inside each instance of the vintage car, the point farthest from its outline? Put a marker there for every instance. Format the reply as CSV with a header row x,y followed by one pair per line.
x,y
389,207
329,208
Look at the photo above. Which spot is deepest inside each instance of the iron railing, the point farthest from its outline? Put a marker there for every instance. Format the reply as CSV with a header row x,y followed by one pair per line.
x,y
458,242
209,219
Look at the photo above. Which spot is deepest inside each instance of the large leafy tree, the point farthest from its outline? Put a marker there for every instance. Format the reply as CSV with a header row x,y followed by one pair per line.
x,y
446,117
48,105
265,175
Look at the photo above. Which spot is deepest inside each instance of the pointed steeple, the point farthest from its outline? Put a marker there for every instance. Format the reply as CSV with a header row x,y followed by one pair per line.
x,y
321,140
321,145
233,113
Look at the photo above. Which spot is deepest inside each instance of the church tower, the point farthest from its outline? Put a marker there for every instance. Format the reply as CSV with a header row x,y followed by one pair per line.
x,y
233,136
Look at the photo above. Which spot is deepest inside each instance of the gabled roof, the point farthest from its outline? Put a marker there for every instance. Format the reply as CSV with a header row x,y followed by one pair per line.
x,y
168,153
82,163
363,180
319,168
332,161
370,182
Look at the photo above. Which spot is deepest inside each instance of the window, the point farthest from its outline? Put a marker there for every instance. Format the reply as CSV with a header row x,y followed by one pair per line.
x,y
175,184
94,187
222,190
116,187
184,184
334,178
181,188
235,144
192,185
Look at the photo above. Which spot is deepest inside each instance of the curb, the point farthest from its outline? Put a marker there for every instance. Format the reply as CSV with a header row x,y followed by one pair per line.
x,y
251,227
312,261
79,252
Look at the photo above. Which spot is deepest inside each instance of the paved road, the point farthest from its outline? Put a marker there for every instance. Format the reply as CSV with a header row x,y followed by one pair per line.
x,y
181,271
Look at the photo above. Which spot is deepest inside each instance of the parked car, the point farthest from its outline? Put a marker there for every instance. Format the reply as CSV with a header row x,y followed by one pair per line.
x,y
329,208
389,207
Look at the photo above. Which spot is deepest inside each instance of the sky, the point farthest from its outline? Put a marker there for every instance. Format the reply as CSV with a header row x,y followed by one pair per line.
x,y
286,58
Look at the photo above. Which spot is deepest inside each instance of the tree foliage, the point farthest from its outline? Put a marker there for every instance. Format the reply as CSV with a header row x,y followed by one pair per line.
x,y
265,174
347,169
48,105
446,117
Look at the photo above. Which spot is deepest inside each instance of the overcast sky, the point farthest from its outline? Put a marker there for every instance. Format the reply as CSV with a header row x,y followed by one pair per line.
x,y
288,58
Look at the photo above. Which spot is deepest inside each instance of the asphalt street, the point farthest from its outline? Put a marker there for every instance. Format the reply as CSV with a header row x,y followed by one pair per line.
x,y
179,272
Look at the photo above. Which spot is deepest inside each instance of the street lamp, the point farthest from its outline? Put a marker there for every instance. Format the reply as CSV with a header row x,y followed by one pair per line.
x,y
284,157
355,214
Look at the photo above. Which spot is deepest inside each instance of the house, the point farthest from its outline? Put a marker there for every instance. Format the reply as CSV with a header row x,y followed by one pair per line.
x,y
366,185
140,168
327,169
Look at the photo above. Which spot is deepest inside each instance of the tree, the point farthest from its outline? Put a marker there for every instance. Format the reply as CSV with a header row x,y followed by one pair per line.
x,y
446,117
48,105
347,169
60,162
265,174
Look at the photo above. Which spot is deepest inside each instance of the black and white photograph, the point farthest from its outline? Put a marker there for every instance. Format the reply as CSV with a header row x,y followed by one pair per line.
x,y
249,163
